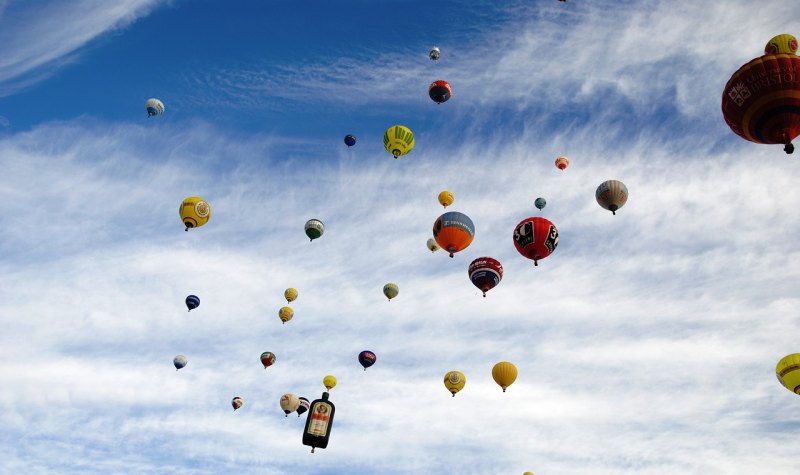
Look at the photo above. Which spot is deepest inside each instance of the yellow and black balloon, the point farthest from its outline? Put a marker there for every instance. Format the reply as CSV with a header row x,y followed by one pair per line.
x,y
398,140
454,381
781,44
788,372
195,212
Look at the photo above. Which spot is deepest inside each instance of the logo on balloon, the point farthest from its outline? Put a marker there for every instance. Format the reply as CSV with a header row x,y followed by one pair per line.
x,y
739,93
552,239
202,209
523,234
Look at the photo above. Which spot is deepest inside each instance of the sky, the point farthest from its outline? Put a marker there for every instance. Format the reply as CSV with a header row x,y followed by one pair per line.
x,y
645,344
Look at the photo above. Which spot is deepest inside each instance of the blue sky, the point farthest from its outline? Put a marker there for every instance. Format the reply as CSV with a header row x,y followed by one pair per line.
x,y
646,344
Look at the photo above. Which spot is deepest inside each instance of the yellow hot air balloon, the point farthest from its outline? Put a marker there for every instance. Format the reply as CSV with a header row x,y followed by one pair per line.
x,y
454,381
784,43
329,381
788,372
391,290
528,473
195,212
398,140
446,198
290,294
504,374
285,314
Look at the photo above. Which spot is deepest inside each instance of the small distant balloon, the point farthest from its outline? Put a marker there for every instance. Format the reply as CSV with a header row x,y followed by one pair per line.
x,y
192,302
611,195
540,203
154,107
562,162
180,361
788,372
303,407
314,228
454,381
285,314
289,403
195,212
329,381
440,91
535,238
350,140
290,294
237,402
391,290
434,54
432,246
446,198
398,140
485,273
367,359
504,374
267,359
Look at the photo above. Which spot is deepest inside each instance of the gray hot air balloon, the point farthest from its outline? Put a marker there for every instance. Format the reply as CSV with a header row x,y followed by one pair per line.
x,y
180,361
611,195
154,107
540,203
434,53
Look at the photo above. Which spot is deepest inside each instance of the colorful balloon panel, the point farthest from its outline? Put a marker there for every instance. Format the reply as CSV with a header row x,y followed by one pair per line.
x,y
453,231
303,407
788,372
440,91
562,162
535,238
267,359
784,43
485,273
398,140
237,402
761,101
194,212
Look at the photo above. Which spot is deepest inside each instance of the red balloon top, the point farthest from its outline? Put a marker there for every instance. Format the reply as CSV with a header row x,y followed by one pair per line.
x,y
535,238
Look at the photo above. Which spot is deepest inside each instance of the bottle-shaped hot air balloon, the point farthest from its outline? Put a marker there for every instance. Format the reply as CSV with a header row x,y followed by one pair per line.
x,y
237,402
540,203
535,238
303,407
195,212
329,382
761,101
788,372
398,140
154,107
367,359
485,273
446,198
434,53
504,374
350,140
391,290
611,195
453,231
290,294
267,359
180,361
318,423
432,246
440,91
289,403
562,162
454,381
314,228
192,302
285,314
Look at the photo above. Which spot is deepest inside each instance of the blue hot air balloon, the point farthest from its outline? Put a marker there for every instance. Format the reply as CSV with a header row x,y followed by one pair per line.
x,y
540,203
179,361
367,359
350,140
192,302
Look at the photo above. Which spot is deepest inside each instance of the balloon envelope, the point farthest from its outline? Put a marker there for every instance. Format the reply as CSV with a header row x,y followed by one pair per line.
x,y
329,381
391,290
154,107
540,203
195,212
504,374
611,195
446,198
303,407
562,162
453,231
367,359
788,372
535,238
285,314
784,43
267,359
237,402
432,246
398,140
485,273
434,53
290,294
440,91
454,381
192,302
314,228
289,403
350,140
180,361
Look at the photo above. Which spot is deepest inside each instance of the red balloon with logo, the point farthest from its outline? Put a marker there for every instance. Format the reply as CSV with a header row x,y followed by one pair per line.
x,y
535,238
485,273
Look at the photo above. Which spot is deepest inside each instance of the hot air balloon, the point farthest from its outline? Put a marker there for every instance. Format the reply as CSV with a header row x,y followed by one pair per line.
x,y
535,238
391,290
504,374
761,101
446,198
398,140
432,246
611,195
531,473
195,212
154,107
285,314
788,372
289,403
303,407
784,43
290,294
367,359
180,361
319,423
540,203
314,228
267,359
350,140
453,231
237,402
485,273
454,381
329,381
562,162
434,54
440,91
192,302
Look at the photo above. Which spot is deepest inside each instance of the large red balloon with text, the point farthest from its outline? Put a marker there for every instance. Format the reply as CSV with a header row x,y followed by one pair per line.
x,y
535,238
761,102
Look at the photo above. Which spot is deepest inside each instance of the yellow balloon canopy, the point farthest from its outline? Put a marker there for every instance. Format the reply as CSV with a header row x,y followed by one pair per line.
x,y
504,374
285,314
398,140
391,290
195,212
788,372
329,381
446,198
784,43
454,381
290,294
